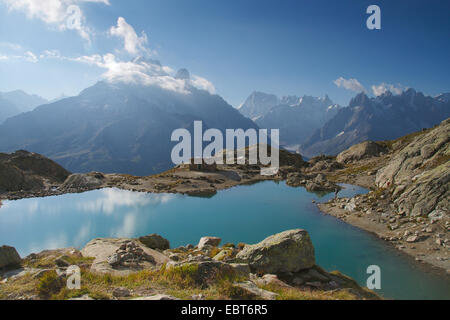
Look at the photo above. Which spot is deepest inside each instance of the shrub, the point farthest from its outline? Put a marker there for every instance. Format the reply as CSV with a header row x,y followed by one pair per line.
x,y
50,284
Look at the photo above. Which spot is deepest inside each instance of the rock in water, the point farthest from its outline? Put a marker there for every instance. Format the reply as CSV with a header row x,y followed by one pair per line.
x,y
208,241
289,251
155,241
9,257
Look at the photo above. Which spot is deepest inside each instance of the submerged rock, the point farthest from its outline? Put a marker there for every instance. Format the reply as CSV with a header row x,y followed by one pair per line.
x,y
289,251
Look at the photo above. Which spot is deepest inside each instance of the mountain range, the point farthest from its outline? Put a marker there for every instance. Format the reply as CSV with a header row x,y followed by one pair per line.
x,y
385,117
117,127
15,102
296,117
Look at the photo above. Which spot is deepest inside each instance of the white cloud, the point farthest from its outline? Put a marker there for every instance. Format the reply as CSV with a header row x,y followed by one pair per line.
x,y
27,56
139,71
133,44
50,54
203,84
144,72
10,46
349,84
30,57
54,12
385,87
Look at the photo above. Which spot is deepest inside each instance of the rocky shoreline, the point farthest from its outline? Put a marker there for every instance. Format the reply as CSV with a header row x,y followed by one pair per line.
x,y
280,267
408,179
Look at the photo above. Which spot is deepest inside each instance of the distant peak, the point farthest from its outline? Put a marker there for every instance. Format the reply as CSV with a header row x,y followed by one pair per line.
x,y
183,74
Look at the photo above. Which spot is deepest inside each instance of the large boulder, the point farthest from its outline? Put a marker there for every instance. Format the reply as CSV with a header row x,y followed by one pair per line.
x,y
360,151
155,241
9,257
289,251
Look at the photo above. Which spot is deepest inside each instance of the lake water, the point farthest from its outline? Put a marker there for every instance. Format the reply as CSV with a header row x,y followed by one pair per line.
x,y
243,214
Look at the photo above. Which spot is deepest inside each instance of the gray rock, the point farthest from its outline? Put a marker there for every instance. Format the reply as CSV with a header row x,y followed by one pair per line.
x,y
155,241
121,292
9,257
242,269
253,289
209,241
289,251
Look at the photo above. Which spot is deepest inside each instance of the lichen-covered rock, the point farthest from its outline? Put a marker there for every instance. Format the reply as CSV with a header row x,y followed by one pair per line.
x,y
9,257
360,151
155,241
289,251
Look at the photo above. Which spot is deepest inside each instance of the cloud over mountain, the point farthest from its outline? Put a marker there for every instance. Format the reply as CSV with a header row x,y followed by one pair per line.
x,y
133,44
349,84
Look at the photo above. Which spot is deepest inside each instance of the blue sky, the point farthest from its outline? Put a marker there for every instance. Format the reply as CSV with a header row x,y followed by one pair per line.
x,y
282,47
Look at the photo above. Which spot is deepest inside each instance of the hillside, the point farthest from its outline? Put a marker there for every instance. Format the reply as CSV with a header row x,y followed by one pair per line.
x,y
27,171
408,204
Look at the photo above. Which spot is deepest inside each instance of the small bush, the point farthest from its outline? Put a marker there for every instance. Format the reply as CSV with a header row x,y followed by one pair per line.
x,y
50,284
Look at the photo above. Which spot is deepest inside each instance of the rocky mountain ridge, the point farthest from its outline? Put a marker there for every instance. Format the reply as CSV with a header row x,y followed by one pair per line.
x,y
385,117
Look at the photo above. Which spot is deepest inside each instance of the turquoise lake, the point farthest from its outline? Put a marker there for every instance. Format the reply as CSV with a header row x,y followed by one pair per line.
x,y
241,214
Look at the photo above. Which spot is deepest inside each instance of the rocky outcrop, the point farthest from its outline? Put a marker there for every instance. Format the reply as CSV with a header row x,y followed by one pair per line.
x,y
418,175
9,257
289,255
83,181
289,251
367,149
312,183
23,170
155,241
